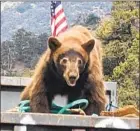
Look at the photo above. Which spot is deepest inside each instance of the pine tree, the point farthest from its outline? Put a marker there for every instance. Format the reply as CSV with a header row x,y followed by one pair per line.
x,y
120,36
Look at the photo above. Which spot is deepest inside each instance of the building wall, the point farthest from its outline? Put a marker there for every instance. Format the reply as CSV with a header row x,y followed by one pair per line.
x,y
11,88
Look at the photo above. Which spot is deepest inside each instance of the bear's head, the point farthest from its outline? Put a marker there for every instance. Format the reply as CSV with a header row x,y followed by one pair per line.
x,y
70,57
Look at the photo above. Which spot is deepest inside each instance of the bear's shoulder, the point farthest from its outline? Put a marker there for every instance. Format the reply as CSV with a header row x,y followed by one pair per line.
x,y
77,34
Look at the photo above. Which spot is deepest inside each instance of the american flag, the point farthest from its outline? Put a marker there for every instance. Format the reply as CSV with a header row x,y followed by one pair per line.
x,y
58,19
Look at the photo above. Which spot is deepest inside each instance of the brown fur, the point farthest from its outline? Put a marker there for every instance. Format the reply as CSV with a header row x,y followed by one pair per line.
x,y
72,38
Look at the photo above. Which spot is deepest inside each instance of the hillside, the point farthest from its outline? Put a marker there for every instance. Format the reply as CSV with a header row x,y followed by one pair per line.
x,y
35,17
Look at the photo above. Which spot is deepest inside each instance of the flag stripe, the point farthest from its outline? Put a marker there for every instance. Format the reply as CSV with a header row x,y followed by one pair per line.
x,y
58,9
61,27
52,27
60,22
59,16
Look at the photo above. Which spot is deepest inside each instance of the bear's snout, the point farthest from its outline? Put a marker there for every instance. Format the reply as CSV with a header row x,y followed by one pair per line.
x,y
72,78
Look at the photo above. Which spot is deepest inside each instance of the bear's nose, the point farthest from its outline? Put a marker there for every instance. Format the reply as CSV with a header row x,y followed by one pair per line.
x,y
72,77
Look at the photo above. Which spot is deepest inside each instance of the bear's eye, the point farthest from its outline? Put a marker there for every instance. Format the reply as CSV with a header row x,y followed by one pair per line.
x,y
79,62
64,61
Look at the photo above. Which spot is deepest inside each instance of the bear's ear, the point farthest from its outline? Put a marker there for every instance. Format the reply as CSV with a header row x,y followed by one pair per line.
x,y
89,45
53,43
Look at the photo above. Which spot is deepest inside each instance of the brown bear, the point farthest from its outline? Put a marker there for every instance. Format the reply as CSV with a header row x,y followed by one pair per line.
x,y
72,66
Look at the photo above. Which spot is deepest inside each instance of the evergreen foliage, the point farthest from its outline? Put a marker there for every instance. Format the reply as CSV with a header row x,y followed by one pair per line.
x,y
120,36
25,48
